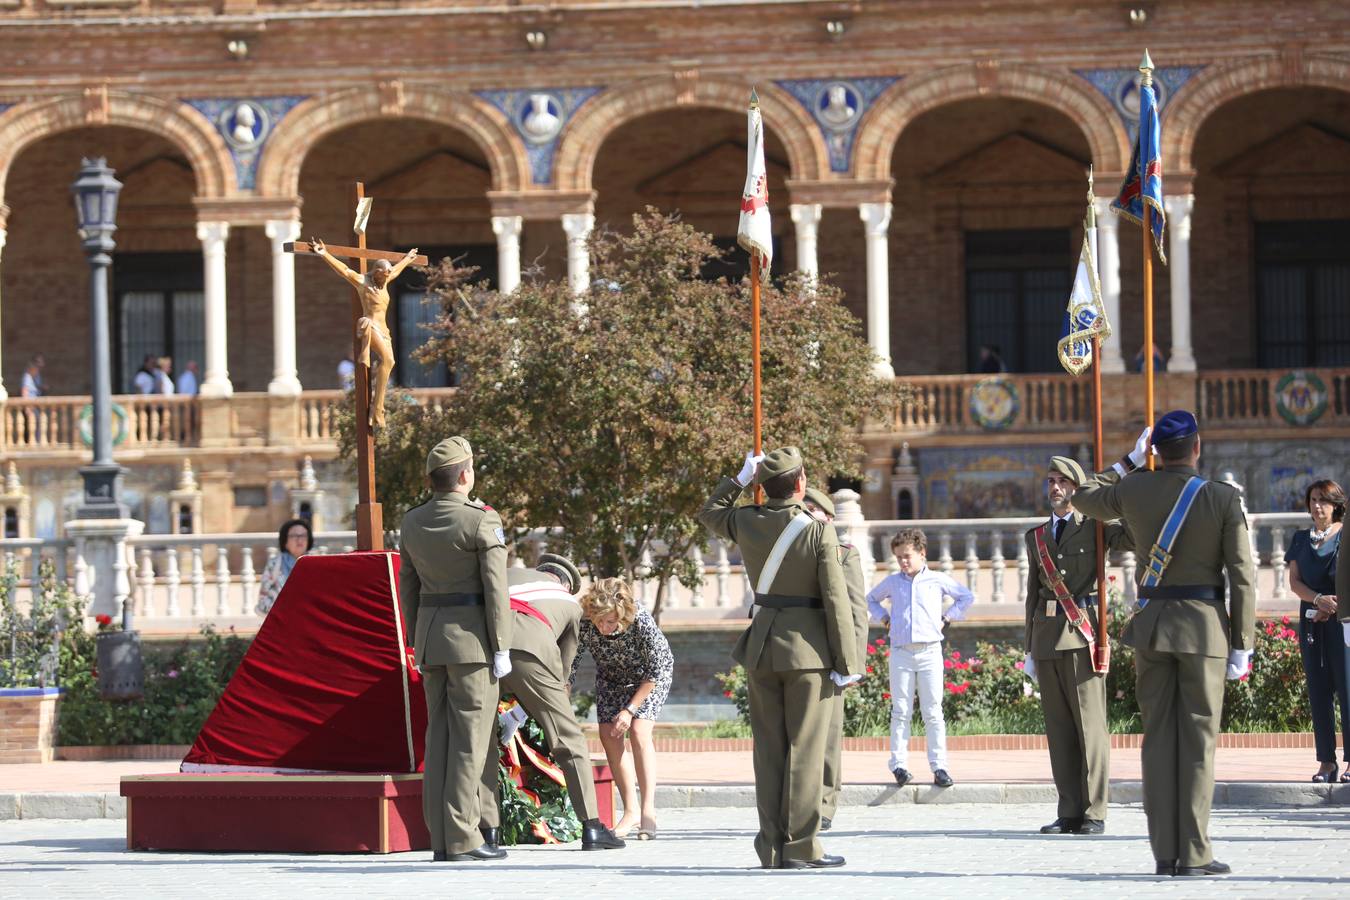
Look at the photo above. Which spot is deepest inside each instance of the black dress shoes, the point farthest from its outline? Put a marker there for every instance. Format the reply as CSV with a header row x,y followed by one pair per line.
x,y
596,836
1166,867
942,779
480,853
825,862
438,856
1212,868
826,823
1062,826
902,776
1091,826
491,836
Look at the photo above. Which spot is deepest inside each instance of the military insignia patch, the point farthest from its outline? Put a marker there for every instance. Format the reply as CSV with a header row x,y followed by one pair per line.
x,y
501,535
1301,397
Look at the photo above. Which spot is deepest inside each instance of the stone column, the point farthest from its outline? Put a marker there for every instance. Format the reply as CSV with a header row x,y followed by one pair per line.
x,y
806,222
1179,208
578,227
876,219
507,229
4,235
852,526
216,379
102,562
1108,270
285,378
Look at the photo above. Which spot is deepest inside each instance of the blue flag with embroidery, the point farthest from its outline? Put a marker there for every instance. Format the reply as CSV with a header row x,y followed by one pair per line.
x,y
1143,181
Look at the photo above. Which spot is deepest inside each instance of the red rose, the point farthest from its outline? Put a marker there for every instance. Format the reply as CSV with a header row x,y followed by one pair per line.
x,y
885,695
103,619
869,670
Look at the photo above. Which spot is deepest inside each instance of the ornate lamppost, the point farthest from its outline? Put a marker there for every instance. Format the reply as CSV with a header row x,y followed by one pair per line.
x,y
96,193
121,671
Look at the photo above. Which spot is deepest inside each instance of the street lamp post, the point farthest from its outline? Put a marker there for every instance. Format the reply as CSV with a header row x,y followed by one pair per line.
x,y
96,193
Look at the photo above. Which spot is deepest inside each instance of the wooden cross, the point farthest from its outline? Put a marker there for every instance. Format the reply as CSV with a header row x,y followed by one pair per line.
x,y
369,519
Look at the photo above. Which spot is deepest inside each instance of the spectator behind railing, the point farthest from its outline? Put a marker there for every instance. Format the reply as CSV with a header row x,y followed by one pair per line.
x,y
295,540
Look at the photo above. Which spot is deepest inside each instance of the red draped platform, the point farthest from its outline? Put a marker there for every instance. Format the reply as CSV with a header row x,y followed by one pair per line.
x,y
316,744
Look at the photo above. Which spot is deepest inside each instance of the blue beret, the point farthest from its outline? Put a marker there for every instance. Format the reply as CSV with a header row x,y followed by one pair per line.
x,y
1173,426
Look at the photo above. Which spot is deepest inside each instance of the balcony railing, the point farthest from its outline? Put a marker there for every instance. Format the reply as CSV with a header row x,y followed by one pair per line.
x,y
177,583
139,421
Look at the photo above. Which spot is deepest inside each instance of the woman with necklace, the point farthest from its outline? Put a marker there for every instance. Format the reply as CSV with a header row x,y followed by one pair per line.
x,y
1311,557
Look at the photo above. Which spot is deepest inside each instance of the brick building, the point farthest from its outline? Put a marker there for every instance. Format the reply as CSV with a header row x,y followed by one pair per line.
x,y
940,144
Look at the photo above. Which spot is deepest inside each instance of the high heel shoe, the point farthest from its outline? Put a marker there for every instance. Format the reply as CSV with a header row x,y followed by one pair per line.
x,y
1325,776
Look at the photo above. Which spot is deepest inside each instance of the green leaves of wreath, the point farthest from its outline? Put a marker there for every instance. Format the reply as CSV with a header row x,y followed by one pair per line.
x,y
117,414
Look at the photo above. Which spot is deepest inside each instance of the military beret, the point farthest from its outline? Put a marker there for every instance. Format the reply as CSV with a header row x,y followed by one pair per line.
x,y
1069,468
448,452
779,462
821,499
563,567
1174,426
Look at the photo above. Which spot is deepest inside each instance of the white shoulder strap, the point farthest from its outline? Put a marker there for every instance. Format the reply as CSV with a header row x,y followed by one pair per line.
x,y
780,548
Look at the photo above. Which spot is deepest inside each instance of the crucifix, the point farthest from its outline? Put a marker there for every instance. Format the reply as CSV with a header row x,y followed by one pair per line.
x,y
370,336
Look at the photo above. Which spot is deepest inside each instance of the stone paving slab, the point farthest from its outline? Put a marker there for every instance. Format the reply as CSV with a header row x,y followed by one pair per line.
x,y
925,851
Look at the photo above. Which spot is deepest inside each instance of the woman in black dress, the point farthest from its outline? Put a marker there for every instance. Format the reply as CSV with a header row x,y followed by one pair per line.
x,y
633,670
1312,557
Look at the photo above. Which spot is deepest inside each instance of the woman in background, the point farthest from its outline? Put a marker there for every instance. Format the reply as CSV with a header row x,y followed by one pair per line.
x,y
295,540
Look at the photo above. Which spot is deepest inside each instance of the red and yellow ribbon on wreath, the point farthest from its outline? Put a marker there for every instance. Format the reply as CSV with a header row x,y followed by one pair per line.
x,y
515,754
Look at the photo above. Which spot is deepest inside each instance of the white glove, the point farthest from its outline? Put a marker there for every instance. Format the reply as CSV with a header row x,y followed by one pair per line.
x,y
501,664
1345,632
1239,662
1029,667
1138,457
844,680
511,720
752,461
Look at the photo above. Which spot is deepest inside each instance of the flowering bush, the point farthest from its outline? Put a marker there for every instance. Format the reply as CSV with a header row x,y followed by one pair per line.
x,y
989,691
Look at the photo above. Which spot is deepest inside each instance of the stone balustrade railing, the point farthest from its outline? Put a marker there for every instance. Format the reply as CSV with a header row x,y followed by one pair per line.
x,y
140,421
176,583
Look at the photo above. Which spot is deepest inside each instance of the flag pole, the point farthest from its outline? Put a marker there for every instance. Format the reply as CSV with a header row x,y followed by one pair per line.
x,y
1146,73
754,352
1103,660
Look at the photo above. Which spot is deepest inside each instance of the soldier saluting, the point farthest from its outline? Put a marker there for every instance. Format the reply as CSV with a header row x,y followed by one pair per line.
x,y
453,585
1060,642
1182,635
798,649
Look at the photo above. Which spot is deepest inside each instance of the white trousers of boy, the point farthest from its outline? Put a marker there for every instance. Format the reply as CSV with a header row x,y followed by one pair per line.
x,y
917,665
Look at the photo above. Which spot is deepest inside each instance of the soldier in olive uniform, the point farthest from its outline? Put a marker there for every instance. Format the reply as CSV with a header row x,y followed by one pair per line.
x,y
543,643
798,649
1182,635
1059,655
819,504
452,585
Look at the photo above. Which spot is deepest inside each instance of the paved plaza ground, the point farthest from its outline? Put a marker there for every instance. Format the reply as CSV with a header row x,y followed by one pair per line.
x,y
916,851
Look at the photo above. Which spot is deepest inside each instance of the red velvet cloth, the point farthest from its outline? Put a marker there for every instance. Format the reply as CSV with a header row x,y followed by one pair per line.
x,y
325,685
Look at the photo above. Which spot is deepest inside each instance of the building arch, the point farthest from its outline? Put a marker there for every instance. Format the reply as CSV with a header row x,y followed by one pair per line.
x,y
905,101
599,118
1185,116
200,143
311,121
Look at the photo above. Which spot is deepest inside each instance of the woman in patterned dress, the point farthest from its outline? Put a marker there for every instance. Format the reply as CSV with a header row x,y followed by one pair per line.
x,y
633,670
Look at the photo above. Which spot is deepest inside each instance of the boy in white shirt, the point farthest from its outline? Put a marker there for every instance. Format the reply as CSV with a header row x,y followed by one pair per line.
x,y
915,621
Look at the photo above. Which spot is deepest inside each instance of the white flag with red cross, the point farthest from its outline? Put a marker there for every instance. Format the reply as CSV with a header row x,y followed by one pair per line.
x,y
755,232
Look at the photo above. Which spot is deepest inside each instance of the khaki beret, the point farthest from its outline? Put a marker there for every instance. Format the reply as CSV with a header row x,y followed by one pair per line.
x,y
779,462
1069,468
821,500
448,452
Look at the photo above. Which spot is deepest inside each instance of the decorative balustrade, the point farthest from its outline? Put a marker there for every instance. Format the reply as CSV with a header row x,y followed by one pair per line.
x,y
139,421
178,582
1046,402
1247,397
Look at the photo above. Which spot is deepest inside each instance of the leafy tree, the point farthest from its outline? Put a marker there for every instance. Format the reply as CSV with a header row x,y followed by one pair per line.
x,y
611,415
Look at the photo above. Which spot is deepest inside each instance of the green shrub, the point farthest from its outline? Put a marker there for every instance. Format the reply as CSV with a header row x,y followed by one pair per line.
x,y
989,693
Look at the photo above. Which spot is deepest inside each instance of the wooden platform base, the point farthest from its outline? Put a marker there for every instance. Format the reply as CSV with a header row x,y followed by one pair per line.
x,y
288,813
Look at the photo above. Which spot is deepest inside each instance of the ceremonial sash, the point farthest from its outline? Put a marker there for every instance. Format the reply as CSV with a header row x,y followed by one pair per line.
x,y
1161,555
521,606
1077,618
779,551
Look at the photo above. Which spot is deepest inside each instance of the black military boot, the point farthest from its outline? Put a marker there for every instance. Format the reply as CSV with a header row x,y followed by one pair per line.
x,y
491,836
